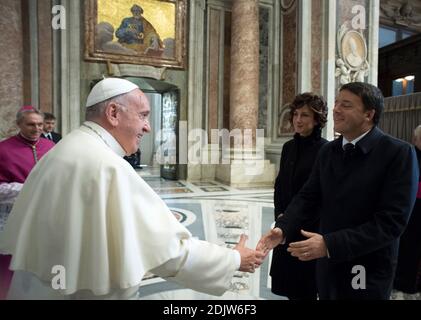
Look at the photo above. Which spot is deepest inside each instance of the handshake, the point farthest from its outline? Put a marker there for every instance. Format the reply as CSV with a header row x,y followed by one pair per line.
x,y
252,259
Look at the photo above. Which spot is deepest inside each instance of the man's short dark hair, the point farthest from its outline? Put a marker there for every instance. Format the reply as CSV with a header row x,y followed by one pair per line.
x,y
49,116
370,95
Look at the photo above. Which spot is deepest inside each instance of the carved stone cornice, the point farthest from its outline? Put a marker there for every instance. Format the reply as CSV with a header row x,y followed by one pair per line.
x,y
405,13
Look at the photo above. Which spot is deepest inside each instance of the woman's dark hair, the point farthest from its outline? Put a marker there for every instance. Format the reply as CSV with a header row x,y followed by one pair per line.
x,y
314,102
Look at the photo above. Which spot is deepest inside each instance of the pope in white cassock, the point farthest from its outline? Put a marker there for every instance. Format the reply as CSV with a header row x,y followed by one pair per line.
x,y
100,222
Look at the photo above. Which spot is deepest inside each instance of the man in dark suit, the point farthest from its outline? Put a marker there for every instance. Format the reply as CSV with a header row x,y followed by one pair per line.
x,y
363,187
48,129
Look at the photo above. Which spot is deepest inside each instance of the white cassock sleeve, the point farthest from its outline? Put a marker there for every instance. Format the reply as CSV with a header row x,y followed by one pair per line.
x,y
201,266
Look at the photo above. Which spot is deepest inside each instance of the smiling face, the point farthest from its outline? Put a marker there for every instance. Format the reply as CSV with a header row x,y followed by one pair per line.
x,y
49,125
31,126
303,121
350,117
131,120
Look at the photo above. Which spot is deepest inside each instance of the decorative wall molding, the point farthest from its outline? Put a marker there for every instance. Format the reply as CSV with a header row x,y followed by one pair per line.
x,y
287,6
139,71
329,80
196,43
33,39
68,68
304,47
405,13
351,60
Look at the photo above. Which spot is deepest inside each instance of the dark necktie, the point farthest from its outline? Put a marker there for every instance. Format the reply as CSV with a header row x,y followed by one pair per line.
x,y
49,136
349,149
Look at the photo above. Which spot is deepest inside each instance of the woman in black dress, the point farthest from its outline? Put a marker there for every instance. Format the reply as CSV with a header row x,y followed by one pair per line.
x,y
308,115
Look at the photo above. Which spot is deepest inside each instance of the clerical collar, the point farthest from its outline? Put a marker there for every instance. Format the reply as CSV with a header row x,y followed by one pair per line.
x,y
354,142
105,136
27,141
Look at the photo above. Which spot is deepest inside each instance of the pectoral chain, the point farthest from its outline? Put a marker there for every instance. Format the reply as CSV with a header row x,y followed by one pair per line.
x,y
96,132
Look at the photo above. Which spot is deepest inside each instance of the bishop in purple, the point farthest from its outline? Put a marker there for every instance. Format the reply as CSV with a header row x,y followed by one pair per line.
x,y
18,155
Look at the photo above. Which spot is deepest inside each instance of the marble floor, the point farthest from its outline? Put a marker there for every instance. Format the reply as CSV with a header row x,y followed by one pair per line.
x,y
219,214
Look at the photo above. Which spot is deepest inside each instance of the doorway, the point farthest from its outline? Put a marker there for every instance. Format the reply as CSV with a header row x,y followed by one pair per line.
x,y
147,146
164,102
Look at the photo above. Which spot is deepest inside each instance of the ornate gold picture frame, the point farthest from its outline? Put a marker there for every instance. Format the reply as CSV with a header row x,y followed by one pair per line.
x,y
150,32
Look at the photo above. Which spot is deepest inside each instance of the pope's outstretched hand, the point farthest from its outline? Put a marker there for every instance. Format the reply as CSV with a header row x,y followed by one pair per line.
x,y
270,240
250,259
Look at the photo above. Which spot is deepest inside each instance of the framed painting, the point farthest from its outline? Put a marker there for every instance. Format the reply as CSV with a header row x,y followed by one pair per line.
x,y
149,32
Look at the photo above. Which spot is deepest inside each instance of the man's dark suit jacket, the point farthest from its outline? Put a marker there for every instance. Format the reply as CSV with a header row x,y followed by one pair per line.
x,y
56,136
364,202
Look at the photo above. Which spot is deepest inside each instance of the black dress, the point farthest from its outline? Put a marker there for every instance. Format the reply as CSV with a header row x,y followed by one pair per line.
x,y
407,277
291,277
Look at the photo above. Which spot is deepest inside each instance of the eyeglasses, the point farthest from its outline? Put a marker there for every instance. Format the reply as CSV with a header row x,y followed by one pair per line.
x,y
142,116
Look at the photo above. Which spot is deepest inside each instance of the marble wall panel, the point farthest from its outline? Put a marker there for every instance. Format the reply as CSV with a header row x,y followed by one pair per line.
x,y
289,68
11,69
227,71
45,56
263,68
316,45
289,59
213,77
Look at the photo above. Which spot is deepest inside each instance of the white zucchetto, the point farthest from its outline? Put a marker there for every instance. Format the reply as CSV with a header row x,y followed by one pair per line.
x,y
108,88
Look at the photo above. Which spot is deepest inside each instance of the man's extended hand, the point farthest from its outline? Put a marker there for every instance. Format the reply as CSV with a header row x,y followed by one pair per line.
x,y
250,259
312,248
270,240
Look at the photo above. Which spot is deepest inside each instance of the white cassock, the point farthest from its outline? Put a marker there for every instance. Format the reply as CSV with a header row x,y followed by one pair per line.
x,y
83,207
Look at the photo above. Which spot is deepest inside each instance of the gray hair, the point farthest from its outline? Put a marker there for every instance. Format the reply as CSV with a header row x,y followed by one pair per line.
x,y
417,132
21,114
97,110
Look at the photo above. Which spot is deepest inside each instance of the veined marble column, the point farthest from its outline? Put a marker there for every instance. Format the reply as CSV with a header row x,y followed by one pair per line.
x,y
244,82
247,166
